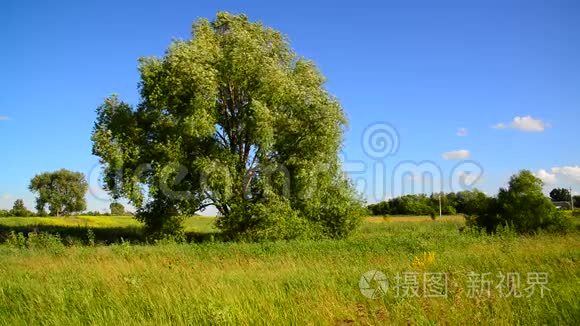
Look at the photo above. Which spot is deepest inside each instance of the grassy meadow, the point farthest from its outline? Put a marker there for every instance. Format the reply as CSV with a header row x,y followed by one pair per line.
x,y
53,281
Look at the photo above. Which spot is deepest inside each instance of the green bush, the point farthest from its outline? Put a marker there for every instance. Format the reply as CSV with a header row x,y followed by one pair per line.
x,y
269,220
17,240
90,237
337,210
117,209
522,207
161,219
34,240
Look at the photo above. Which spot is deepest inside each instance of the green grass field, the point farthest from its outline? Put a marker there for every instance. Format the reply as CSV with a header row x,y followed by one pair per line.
x,y
296,282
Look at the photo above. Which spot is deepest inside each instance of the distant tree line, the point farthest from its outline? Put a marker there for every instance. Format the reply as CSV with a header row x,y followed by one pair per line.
x,y
463,202
19,210
522,206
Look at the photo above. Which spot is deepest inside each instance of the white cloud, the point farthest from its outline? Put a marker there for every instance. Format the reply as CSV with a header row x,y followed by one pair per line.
x,y
456,155
568,173
525,124
462,132
546,176
3,118
528,124
560,174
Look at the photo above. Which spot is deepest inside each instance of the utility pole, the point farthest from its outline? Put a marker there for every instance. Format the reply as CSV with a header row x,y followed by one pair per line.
x,y
571,200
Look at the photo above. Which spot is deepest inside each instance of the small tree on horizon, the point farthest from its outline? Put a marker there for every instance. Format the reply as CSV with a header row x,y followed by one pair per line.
x,y
117,209
19,210
63,191
560,194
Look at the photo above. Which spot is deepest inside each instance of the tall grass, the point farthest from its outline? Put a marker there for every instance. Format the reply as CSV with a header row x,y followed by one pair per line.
x,y
296,282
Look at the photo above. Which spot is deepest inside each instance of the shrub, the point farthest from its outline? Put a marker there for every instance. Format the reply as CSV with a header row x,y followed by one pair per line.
x,y
117,209
161,219
522,207
34,240
90,237
270,220
16,240
337,210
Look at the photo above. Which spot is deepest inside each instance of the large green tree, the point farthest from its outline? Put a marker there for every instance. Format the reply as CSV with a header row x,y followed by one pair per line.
x,y
63,191
235,119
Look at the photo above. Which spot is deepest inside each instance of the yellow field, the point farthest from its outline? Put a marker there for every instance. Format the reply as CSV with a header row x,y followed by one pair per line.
x,y
192,224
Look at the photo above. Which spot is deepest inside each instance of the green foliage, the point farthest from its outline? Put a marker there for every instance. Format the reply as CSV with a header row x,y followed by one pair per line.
x,y
63,191
161,219
19,210
90,237
38,241
411,205
485,215
522,207
95,213
4,213
380,208
117,209
270,220
16,240
560,194
414,205
235,119
468,202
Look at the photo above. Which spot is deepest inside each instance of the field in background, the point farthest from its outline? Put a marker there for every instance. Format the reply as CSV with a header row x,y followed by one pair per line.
x,y
115,229
105,229
195,223
397,218
314,282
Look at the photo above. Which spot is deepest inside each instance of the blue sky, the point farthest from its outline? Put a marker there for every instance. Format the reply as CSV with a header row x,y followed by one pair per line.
x,y
506,71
